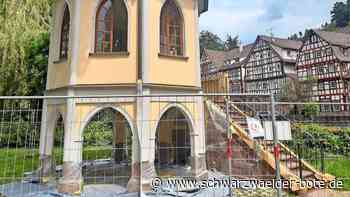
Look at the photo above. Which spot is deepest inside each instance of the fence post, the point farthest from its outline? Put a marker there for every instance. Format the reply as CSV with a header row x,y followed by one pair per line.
x,y
276,146
229,141
299,161
139,101
322,155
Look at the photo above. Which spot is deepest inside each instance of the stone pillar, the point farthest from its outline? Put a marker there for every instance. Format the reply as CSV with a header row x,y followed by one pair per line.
x,y
48,121
134,182
72,180
47,168
148,173
198,157
199,167
146,139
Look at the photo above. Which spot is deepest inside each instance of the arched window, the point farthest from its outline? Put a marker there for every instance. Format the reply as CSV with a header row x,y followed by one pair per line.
x,y
65,33
111,27
171,30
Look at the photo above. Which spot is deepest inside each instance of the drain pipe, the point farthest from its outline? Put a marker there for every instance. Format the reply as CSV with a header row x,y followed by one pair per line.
x,y
139,86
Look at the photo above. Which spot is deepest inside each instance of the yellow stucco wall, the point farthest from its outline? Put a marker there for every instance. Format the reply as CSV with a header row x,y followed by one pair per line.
x,y
84,110
169,70
106,69
116,69
58,75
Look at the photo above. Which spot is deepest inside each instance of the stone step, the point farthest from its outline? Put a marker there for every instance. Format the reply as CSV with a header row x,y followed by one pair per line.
x,y
291,165
305,173
287,158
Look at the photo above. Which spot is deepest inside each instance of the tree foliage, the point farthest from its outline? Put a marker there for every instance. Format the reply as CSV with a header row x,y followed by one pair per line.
x,y
299,91
336,139
231,42
23,22
37,54
209,40
295,90
341,14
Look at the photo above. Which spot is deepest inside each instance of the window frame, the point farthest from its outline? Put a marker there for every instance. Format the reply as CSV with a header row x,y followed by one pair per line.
x,y
95,42
65,33
164,25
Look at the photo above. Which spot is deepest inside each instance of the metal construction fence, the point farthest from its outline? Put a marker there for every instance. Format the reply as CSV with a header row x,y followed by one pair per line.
x,y
128,141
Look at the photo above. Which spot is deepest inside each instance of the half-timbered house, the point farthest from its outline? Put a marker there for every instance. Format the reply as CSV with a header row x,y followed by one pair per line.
x,y
234,71
212,61
222,70
325,58
270,64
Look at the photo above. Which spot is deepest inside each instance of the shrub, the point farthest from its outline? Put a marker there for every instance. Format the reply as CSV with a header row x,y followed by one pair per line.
x,y
98,133
311,110
337,140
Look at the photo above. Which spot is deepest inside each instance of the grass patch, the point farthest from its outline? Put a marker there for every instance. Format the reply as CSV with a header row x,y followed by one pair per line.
x,y
95,153
338,166
15,162
341,169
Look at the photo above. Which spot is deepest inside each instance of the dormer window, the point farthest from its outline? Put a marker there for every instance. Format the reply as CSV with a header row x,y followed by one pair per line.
x,y
65,33
171,30
111,27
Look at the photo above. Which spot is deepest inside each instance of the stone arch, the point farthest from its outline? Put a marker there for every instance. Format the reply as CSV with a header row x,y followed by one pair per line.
x,y
174,143
121,156
183,109
51,148
93,112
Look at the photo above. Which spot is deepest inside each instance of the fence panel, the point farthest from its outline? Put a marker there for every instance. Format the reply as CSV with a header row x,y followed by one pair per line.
x,y
127,142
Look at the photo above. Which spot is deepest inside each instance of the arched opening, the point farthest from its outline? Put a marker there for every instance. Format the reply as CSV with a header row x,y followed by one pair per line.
x,y
107,146
173,144
171,29
58,147
111,27
65,32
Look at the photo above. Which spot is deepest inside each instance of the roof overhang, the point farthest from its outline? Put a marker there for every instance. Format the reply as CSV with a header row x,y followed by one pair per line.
x,y
203,6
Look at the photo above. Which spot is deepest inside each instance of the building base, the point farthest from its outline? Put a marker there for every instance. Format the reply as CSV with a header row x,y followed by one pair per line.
x,y
199,167
72,182
46,170
148,173
134,182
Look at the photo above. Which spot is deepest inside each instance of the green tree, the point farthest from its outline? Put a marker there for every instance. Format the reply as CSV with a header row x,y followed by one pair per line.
x,y
295,90
293,37
299,91
36,60
311,110
231,42
340,14
209,40
22,23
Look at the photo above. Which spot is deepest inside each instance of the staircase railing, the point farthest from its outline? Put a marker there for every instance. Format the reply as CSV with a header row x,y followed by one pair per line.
x,y
268,157
319,175
251,109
